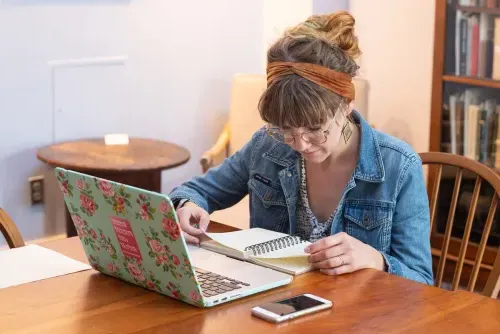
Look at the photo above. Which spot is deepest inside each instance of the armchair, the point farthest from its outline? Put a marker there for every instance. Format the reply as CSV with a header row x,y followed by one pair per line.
x,y
244,118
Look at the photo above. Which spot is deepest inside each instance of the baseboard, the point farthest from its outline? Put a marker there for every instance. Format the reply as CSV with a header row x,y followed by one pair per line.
x,y
39,241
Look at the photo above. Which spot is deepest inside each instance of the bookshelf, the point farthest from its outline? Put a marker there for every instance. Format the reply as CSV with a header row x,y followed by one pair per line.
x,y
474,9
472,81
465,115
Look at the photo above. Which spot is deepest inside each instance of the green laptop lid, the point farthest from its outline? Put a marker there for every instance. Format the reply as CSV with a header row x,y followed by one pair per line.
x,y
131,234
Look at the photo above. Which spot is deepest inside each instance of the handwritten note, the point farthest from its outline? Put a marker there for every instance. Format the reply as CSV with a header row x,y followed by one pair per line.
x,y
126,237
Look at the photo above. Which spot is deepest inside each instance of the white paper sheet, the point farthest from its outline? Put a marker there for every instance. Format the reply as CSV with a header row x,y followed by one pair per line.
x,y
33,263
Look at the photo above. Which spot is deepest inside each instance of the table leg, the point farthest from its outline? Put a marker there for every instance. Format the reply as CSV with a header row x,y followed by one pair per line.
x,y
148,180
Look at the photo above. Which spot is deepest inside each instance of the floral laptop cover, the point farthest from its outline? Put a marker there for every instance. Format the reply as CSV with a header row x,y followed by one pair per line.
x,y
131,234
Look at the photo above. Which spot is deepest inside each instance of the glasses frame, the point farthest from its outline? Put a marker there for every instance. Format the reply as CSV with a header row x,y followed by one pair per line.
x,y
270,130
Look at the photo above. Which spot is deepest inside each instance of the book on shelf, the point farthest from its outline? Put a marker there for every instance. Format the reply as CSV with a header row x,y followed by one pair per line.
x,y
472,42
479,3
496,56
470,125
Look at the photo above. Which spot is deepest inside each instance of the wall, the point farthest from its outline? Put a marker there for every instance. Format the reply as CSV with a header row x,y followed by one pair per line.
x,y
179,60
396,37
276,20
328,6
177,65
172,82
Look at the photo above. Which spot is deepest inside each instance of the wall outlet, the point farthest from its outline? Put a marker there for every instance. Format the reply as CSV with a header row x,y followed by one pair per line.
x,y
36,189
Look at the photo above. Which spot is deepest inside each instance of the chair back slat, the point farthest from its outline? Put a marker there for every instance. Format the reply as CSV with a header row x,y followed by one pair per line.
x,y
435,193
492,287
483,174
466,235
482,244
449,226
10,231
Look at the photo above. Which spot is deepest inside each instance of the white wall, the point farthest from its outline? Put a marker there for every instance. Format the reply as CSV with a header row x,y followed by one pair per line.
x,y
328,6
174,83
277,19
396,38
180,58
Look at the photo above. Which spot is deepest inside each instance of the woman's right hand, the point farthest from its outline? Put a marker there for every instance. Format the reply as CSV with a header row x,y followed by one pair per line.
x,y
194,221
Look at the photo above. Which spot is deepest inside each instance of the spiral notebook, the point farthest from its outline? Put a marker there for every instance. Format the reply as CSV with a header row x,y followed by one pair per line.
x,y
263,247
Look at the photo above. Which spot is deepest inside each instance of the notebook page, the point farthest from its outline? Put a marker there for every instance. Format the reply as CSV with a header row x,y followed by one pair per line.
x,y
297,265
241,239
34,263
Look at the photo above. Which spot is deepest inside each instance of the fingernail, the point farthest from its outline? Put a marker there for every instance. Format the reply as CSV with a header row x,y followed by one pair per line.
x,y
307,249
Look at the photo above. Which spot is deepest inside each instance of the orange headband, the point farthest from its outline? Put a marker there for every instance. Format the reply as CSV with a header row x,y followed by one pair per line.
x,y
337,82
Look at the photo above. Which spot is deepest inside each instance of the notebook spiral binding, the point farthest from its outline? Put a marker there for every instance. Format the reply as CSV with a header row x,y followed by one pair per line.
x,y
275,244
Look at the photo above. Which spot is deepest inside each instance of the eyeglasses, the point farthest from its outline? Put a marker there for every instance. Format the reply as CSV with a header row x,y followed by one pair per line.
x,y
316,137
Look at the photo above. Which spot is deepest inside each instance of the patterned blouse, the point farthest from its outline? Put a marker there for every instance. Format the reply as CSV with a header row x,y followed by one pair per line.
x,y
308,227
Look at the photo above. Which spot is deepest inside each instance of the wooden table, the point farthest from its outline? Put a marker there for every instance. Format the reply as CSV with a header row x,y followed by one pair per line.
x,y
367,301
138,164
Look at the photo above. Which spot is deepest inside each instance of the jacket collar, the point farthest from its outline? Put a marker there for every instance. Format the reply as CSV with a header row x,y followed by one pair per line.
x,y
282,154
369,168
370,165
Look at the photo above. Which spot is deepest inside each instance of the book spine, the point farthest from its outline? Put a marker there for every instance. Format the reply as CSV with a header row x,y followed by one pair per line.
x,y
495,52
463,46
496,163
491,3
451,30
474,48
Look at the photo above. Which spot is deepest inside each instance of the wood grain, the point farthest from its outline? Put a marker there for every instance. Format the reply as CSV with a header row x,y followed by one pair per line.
x,y
367,301
93,155
473,81
10,231
437,72
494,11
138,164
221,146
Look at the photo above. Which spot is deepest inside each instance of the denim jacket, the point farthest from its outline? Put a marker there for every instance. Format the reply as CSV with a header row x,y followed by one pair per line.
x,y
384,204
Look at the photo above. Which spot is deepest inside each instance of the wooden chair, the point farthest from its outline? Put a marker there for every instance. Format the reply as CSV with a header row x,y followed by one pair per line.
x,y
481,173
10,231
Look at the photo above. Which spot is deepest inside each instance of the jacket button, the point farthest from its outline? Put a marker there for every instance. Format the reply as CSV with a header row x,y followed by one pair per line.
x,y
289,174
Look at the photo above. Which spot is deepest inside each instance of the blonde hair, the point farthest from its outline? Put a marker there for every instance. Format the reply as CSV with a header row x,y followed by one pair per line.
x,y
325,40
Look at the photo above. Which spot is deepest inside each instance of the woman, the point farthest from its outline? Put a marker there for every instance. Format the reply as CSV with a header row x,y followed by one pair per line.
x,y
318,170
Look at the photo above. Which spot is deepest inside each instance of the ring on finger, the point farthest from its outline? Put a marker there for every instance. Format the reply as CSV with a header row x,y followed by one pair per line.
x,y
342,262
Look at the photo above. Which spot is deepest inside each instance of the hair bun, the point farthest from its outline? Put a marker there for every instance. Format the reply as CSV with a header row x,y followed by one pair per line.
x,y
337,29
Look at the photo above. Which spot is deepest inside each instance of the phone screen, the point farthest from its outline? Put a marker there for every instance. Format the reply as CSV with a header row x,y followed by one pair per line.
x,y
291,305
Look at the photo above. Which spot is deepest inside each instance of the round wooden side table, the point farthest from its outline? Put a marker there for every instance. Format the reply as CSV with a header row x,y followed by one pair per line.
x,y
139,163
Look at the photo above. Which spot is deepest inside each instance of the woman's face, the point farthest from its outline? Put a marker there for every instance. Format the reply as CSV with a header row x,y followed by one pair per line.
x,y
317,143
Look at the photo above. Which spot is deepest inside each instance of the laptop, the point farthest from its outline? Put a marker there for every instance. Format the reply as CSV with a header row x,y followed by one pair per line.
x,y
134,235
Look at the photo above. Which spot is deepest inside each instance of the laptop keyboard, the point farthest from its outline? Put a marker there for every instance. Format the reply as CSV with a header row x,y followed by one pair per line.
x,y
213,284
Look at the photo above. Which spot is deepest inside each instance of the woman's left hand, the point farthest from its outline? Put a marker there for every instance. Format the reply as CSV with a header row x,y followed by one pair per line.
x,y
341,253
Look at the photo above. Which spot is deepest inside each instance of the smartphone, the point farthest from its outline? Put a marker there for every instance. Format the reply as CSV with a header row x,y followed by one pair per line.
x,y
290,308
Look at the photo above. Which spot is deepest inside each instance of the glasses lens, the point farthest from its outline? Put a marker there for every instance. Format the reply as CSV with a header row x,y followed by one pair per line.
x,y
315,137
277,135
